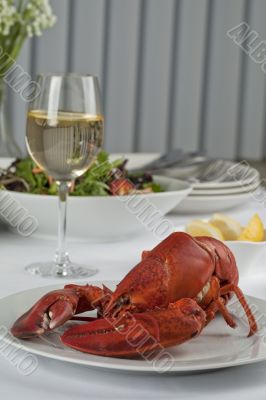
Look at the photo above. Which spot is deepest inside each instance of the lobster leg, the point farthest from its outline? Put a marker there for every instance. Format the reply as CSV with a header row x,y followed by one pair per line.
x,y
214,301
241,298
136,334
218,305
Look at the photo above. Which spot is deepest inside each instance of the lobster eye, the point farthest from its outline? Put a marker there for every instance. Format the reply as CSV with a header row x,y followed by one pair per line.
x,y
124,300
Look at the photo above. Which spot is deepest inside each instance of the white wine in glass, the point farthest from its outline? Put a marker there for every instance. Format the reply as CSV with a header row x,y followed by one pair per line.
x,y
64,135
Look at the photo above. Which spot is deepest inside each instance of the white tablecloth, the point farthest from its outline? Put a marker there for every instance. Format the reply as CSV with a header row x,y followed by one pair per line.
x,y
57,380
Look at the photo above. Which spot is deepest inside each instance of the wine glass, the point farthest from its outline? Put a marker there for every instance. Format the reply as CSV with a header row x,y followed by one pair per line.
x,y
64,136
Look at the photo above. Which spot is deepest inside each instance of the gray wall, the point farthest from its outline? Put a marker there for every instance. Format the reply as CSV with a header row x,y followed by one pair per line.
x,y
170,76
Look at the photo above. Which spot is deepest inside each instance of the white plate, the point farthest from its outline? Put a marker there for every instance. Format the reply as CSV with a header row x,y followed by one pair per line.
x,y
208,204
252,175
228,191
217,347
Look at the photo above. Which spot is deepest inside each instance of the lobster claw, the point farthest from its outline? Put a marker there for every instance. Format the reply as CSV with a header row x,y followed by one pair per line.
x,y
136,334
50,312
57,307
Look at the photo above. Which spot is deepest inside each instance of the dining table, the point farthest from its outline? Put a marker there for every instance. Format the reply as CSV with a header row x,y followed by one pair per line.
x,y
58,380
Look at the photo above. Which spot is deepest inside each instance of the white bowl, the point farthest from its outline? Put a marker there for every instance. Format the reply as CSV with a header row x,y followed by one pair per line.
x,y
96,218
247,254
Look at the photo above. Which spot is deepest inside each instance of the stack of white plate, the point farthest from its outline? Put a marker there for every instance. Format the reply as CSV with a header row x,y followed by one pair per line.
x,y
230,190
235,186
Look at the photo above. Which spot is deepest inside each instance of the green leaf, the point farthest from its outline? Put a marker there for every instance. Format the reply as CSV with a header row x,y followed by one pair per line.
x,y
155,187
52,189
37,182
94,181
102,157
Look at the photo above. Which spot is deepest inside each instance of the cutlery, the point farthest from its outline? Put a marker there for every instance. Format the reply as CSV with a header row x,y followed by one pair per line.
x,y
196,171
171,159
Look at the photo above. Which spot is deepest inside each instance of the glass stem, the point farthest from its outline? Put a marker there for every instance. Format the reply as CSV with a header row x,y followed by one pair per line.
x,y
61,257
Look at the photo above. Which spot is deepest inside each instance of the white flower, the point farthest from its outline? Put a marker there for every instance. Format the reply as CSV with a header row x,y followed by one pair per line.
x,y
38,16
8,16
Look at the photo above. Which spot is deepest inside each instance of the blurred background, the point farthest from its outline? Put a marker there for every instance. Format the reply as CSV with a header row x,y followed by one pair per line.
x,y
169,74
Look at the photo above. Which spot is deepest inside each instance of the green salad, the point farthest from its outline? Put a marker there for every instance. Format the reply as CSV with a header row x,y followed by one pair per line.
x,y
104,178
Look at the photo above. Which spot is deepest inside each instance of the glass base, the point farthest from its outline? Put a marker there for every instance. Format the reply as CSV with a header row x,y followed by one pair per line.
x,y
51,268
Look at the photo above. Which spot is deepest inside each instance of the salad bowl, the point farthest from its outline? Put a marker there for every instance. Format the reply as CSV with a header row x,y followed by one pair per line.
x,y
103,218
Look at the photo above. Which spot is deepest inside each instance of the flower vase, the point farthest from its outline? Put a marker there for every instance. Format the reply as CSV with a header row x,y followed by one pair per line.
x,y
8,145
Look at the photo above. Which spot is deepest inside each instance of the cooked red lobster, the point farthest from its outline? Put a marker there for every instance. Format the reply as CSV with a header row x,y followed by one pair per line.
x,y
168,298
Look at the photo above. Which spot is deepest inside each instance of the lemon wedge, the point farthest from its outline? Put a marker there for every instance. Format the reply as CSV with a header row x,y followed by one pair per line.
x,y
254,231
230,228
201,228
